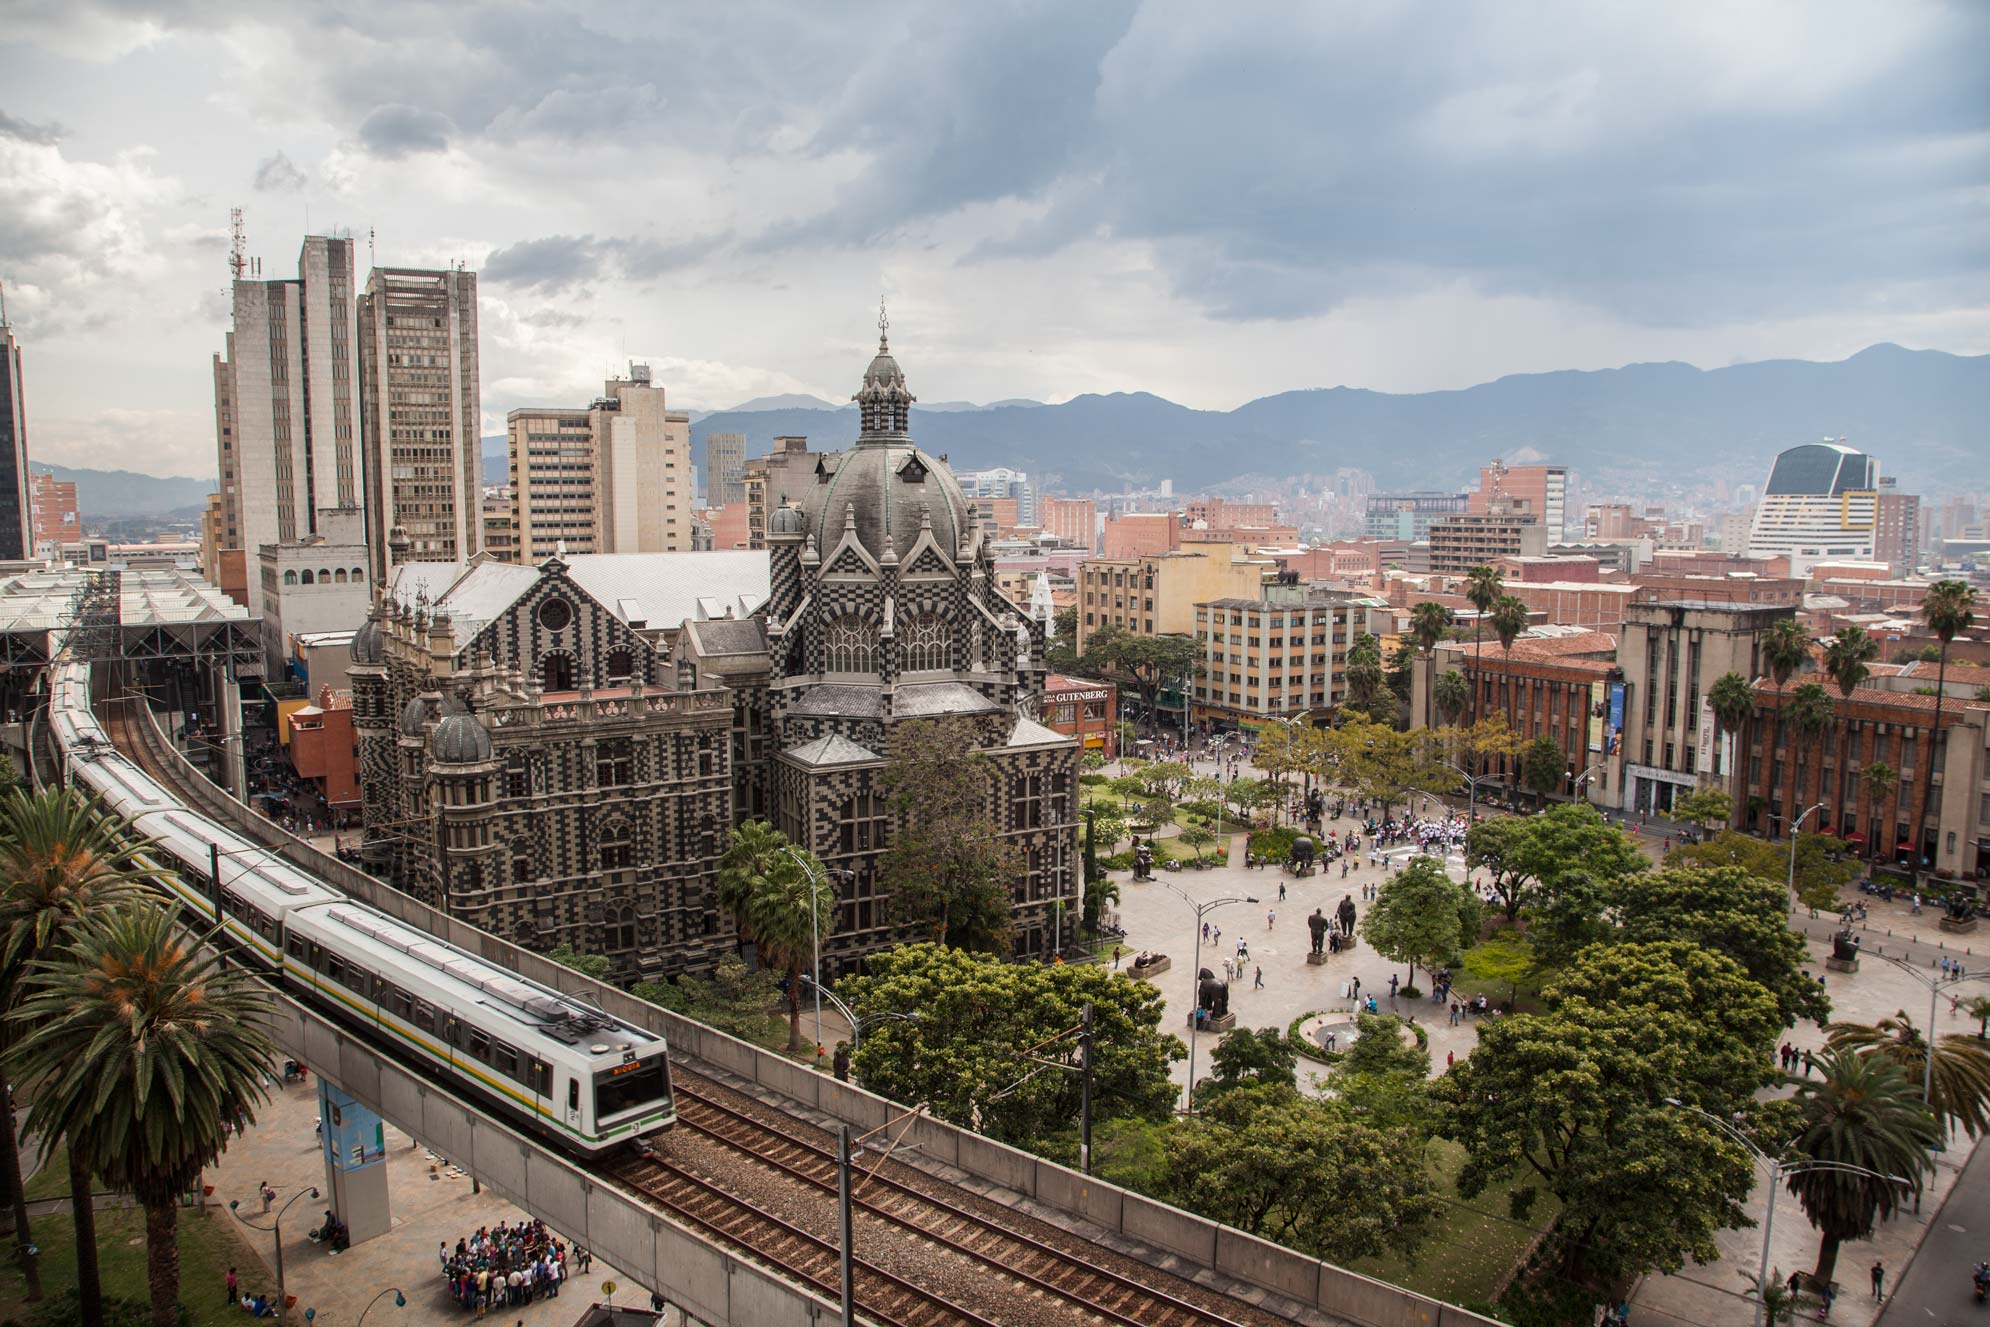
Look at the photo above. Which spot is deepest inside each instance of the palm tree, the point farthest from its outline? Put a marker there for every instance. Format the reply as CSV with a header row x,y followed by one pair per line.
x,y
1948,609
752,851
1881,779
145,1050
1961,1081
1809,714
61,863
1864,1113
792,908
1509,619
1785,650
1449,693
1428,622
1483,587
1845,658
1978,1008
1732,700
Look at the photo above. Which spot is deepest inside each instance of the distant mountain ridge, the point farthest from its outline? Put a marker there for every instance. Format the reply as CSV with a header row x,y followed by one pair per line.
x,y
109,494
1921,412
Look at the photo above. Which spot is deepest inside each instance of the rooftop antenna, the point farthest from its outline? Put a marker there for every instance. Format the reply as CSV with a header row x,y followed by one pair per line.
x,y
3,303
238,243
369,247
884,323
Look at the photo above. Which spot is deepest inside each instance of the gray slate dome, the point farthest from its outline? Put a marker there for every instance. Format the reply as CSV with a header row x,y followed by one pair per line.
x,y
367,646
460,740
414,717
787,520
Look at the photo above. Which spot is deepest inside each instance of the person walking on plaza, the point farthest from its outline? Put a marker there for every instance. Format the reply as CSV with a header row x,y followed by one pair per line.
x,y
1258,985
1879,1279
229,1297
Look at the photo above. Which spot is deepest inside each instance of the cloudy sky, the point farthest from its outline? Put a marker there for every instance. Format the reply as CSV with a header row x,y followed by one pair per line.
x,y
1206,201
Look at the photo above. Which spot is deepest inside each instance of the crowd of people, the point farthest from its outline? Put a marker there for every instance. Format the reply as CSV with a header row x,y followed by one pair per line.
x,y
508,1266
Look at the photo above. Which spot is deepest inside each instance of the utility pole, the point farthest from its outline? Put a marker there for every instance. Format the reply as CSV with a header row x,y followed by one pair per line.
x,y
1085,1094
844,1256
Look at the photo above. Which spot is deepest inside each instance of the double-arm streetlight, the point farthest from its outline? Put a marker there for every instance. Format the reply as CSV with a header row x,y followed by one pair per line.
x,y
400,1302
857,1023
1796,828
1936,985
1583,778
817,881
1778,1167
275,1227
1202,910
1472,782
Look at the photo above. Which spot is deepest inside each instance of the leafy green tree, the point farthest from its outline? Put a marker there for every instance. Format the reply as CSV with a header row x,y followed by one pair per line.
x,y
1567,1103
1704,807
1383,1076
63,862
1245,1057
1961,1079
1197,838
1825,865
1864,1112
1507,959
1061,655
735,999
1131,1151
1949,610
1545,767
597,966
1147,662
1566,914
1525,854
1415,917
1261,1159
1728,910
949,868
144,1051
963,1055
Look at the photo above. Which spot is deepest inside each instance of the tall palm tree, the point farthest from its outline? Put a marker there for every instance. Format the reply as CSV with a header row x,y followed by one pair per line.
x,y
1949,610
753,850
1483,587
1809,714
1961,1081
1845,658
1880,780
1428,622
145,1050
1509,619
1785,651
792,909
1449,692
61,863
1865,1113
1732,700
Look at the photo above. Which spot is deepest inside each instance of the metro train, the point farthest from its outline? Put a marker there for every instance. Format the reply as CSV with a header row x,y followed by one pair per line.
x,y
569,1072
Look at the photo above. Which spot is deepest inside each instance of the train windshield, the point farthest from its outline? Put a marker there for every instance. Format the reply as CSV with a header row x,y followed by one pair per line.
x,y
628,1086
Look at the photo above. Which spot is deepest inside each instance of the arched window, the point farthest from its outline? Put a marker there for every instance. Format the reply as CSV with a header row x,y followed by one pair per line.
x,y
556,672
621,665
290,578
850,645
358,574
618,848
521,860
339,576
625,930
923,643
307,578
324,576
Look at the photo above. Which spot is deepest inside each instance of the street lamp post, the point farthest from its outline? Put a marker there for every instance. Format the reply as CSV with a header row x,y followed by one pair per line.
x,y
1796,828
1195,973
1472,782
1583,778
400,1302
276,1228
1935,985
857,1025
1778,1167
815,934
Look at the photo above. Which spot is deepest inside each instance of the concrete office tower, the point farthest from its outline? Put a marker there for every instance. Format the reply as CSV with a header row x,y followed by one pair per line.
x,y
1821,504
286,402
1897,528
552,483
642,468
52,502
14,526
419,384
1544,488
725,469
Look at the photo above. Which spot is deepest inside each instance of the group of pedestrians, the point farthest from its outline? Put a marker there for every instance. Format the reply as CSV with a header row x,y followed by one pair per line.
x,y
508,1266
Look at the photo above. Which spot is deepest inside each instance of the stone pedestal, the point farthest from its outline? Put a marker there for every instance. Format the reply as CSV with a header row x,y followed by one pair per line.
x,y
1842,964
1221,1024
1160,964
1316,959
1957,926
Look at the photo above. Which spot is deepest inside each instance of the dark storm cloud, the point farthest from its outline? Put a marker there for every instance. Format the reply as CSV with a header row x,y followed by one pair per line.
x,y
399,131
564,262
41,135
279,174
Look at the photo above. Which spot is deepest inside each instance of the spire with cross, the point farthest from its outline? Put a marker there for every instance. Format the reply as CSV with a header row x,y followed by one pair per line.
x,y
884,325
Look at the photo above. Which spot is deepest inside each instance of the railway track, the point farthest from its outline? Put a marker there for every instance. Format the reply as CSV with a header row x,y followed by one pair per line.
x,y
1040,1274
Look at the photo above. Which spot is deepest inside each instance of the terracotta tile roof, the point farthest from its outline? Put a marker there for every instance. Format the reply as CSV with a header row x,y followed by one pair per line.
x,y
1871,695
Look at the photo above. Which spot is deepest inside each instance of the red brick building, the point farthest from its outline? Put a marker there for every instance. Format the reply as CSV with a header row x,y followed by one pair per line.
x,y
1548,686
1083,708
324,748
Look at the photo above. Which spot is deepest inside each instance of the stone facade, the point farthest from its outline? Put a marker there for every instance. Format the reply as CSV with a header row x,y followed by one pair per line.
x,y
882,610
534,764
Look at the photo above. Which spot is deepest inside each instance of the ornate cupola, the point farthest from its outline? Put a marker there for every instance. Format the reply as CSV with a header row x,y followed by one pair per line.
x,y
884,402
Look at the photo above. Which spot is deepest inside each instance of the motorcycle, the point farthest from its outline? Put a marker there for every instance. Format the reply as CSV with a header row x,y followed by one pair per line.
x,y
1981,1277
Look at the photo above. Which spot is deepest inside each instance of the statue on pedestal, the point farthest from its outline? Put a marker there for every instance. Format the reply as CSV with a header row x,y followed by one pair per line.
x,y
1317,924
1213,993
1143,861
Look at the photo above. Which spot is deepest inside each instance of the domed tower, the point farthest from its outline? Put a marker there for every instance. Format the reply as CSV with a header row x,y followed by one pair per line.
x,y
462,797
373,729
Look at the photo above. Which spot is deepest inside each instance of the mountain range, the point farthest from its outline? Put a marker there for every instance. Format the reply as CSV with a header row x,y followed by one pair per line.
x,y
109,494
1638,428
1641,428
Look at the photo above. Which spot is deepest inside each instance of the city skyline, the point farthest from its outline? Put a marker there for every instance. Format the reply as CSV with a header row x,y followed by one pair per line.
x,y
1042,255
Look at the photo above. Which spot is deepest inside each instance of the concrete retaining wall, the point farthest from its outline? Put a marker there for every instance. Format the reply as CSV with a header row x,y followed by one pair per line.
x,y
710,1282
1322,1285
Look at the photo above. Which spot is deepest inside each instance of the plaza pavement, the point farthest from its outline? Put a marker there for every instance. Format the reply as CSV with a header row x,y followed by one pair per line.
x,y
1156,918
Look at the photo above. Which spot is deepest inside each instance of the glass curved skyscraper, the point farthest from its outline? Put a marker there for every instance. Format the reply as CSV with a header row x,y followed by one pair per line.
x,y
1821,504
